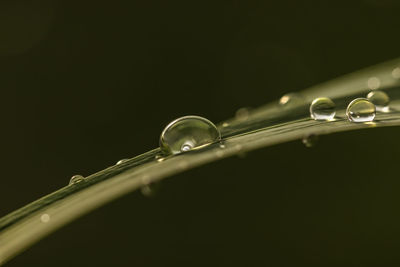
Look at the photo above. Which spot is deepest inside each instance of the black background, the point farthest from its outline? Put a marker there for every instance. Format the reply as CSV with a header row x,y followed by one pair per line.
x,y
84,84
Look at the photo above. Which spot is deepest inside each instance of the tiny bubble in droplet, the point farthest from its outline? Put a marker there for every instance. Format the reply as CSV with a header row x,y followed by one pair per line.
x,y
361,110
322,108
186,147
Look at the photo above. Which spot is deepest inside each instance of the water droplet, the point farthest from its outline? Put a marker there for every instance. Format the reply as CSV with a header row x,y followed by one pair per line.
x,y
361,110
380,99
159,158
188,133
122,161
242,114
310,140
45,218
373,83
150,190
291,99
396,73
322,108
76,179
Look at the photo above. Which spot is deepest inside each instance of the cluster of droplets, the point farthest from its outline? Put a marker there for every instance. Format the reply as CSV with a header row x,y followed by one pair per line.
x,y
358,110
192,132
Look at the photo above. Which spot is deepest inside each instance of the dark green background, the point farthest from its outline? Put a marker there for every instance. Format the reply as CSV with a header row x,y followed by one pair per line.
x,y
84,84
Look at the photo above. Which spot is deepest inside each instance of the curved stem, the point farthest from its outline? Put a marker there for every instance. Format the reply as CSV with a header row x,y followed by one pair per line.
x,y
268,125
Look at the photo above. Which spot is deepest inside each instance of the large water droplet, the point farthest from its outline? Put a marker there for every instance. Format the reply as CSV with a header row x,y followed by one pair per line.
x,y
187,133
310,140
380,99
322,108
76,179
361,110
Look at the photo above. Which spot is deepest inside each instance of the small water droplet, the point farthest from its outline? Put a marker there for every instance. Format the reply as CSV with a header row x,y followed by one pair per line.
x,y
291,99
380,99
373,83
322,108
310,140
361,110
76,179
122,161
150,190
45,218
159,158
396,73
189,132
242,114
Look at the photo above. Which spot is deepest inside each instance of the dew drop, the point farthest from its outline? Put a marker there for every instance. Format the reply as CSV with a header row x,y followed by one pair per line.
x,y
291,99
121,161
310,140
76,179
361,110
396,73
150,190
45,218
159,158
322,108
188,133
242,114
380,99
373,83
